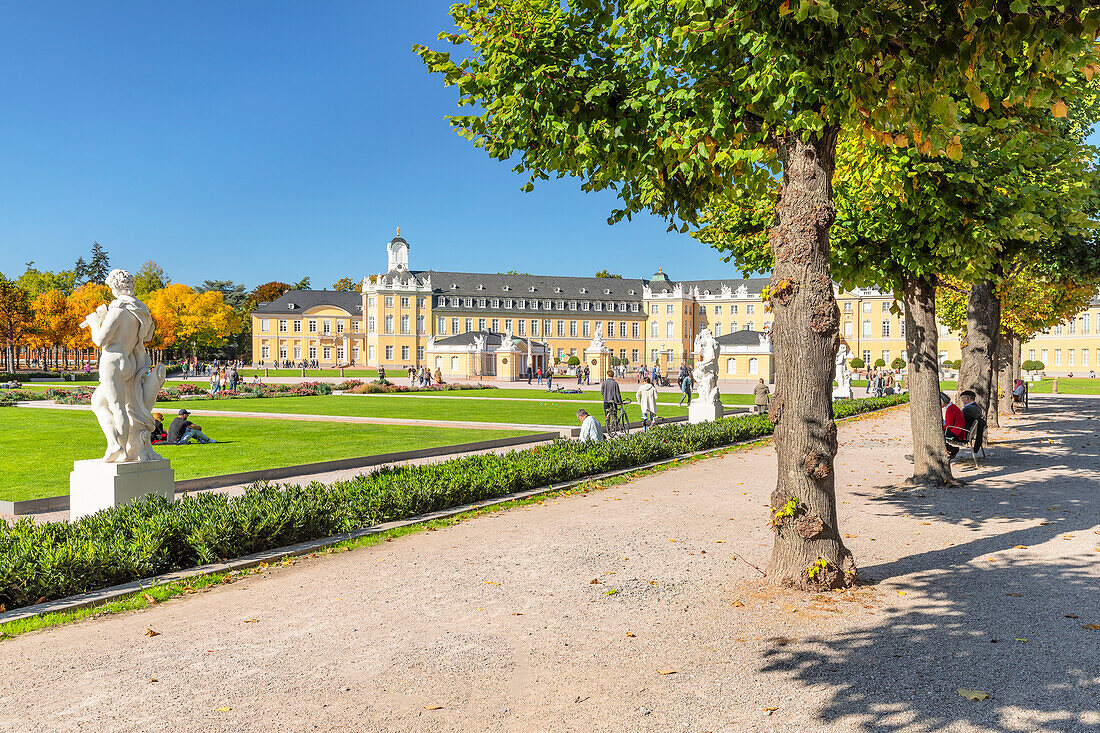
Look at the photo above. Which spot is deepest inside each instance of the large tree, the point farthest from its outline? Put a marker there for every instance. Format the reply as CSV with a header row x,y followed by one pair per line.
x,y
150,277
191,321
15,320
673,103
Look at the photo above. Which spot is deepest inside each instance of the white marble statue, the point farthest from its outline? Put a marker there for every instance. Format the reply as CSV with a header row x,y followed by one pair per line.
x,y
842,376
597,344
479,343
128,383
507,343
705,373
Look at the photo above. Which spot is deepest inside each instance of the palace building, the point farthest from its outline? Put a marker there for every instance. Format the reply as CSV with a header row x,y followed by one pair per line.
x,y
457,321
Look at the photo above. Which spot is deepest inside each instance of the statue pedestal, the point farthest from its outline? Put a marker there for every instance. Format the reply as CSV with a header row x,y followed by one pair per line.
x,y
95,485
598,361
842,393
704,412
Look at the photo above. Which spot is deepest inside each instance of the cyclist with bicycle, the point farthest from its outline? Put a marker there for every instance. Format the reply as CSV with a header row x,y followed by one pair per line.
x,y
612,398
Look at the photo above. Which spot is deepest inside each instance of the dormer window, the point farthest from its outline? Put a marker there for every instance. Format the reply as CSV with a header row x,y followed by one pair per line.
x,y
480,286
607,291
531,289
291,306
584,290
557,290
632,291
507,288
454,286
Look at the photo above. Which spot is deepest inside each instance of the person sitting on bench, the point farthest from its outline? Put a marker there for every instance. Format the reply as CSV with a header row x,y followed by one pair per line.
x,y
182,430
954,425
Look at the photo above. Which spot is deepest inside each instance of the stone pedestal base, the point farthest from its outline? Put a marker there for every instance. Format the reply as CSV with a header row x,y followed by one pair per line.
x,y
842,393
704,412
599,362
95,485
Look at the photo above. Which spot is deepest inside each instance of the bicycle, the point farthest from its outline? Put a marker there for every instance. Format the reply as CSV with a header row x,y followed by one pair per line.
x,y
618,422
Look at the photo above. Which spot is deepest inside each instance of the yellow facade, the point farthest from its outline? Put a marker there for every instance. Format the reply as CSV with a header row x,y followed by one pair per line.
x,y
642,321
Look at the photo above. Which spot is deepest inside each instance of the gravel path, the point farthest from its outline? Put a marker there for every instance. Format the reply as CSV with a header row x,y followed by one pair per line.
x,y
495,624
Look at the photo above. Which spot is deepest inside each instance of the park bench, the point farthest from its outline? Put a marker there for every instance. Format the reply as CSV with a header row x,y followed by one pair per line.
x,y
974,440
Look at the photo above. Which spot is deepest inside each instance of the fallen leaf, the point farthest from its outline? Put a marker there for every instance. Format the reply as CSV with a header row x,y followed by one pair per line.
x,y
251,620
901,592
1018,595
154,679
149,599
1071,615
1020,547
594,581
150,632
926,523
611,592
666,671
516,613
851,537
223,710
630,634
1091,627
974,694
770,710
433,707
738,604
490,582
1018,639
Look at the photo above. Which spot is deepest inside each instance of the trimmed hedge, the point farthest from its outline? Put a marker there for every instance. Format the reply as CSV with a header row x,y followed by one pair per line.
x,y
153,536
92,376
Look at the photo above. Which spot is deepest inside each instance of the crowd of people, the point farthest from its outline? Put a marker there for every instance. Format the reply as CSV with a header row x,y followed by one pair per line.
x,y
882,382
420,376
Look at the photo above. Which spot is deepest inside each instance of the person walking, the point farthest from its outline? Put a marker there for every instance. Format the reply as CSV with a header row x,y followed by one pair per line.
x,y
587,375
687,385
549,379
538,376
647,400
761,396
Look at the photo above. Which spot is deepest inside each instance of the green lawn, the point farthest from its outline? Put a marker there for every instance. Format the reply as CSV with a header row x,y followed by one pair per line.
x,y
550,412
1067,385
42,444
591,394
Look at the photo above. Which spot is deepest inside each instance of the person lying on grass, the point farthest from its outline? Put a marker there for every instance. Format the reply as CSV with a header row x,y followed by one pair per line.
x,y
182,430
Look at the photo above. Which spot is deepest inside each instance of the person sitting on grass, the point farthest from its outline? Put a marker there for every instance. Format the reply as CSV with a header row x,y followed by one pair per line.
x,y
591,430
182,430
158,435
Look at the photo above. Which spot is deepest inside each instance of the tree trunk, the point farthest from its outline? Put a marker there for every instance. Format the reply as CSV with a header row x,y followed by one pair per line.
x,y
983,327
808,551
1005,372
930,464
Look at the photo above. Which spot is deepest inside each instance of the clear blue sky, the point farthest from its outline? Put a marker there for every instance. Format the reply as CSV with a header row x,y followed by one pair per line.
x,y
269,140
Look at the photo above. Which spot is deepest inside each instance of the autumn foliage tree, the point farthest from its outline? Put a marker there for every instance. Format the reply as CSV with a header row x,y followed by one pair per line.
x,y
673,104
191,321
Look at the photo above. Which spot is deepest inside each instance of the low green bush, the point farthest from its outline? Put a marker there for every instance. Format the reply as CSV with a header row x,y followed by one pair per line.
x,y
153,536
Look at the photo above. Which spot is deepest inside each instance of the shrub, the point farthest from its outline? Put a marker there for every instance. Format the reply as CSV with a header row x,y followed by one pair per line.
x,y
897,364
574,361
857,363
880,363
1032,365
153,536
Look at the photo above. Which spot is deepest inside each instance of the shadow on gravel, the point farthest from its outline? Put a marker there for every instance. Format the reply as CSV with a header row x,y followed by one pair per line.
x,y
1012,626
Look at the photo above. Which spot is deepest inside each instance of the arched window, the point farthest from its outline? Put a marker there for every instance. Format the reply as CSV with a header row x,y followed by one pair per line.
x,y
754,366
731,366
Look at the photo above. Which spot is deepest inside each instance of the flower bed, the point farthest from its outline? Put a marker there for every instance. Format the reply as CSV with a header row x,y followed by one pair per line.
x,y
83,395
384,387
153,536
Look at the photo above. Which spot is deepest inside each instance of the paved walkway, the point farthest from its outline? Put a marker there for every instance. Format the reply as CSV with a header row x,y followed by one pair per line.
x,y
508,622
